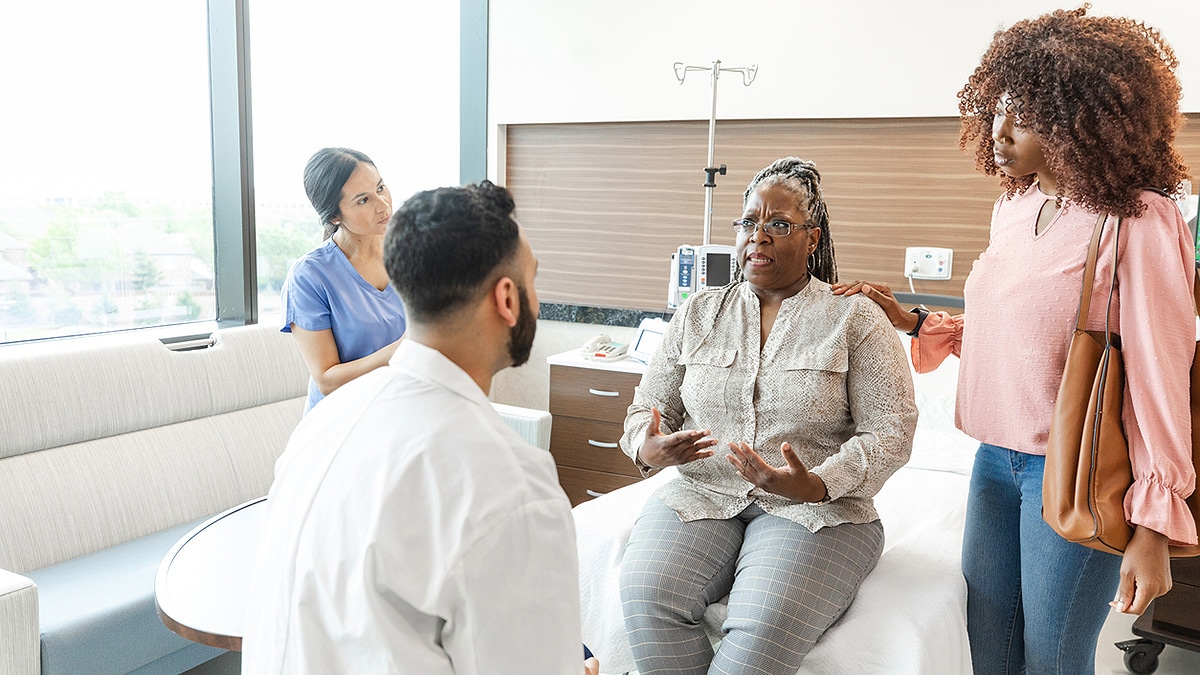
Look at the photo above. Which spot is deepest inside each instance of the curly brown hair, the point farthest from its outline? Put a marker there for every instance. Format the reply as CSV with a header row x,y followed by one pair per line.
x,y
1102,95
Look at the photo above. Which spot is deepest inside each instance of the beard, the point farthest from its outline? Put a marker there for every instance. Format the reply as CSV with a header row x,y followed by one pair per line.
x,y
520,336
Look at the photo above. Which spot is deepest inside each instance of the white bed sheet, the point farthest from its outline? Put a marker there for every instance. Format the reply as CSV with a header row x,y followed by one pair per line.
x,y
910,613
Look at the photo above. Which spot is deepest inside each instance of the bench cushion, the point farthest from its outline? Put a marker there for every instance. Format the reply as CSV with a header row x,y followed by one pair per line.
x,y
98,613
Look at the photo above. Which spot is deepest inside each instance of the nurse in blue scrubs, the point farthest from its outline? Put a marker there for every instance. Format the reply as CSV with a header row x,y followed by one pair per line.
x,y
337,299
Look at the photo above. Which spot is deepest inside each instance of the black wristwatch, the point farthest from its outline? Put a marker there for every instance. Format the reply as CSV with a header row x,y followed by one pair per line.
x,y
921,313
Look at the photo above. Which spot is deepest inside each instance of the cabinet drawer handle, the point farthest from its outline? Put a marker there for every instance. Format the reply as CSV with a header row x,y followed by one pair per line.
x,y
593,493
601,444
601,392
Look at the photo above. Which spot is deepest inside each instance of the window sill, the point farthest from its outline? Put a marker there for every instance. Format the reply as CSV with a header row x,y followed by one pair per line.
x,y
180,337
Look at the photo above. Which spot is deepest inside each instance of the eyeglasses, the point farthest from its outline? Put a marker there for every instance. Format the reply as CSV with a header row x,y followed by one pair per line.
x,y
775,228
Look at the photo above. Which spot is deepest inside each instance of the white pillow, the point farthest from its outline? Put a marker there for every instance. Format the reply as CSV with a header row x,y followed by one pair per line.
x,y
938,444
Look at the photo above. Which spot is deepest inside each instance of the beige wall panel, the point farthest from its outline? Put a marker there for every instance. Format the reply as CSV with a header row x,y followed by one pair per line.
x,y
605,204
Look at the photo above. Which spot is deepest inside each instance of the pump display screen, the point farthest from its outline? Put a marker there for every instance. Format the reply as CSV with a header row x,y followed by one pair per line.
x,y
717,270
648,342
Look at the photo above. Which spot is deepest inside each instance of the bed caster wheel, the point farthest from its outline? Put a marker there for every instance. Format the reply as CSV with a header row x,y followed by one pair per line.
x,y
1141,656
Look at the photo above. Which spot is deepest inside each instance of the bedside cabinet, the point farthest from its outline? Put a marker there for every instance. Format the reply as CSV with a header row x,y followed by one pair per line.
x,y
588,401
1178,609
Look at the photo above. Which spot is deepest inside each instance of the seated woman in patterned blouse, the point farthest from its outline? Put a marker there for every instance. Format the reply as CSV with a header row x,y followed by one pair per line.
x,y
812,397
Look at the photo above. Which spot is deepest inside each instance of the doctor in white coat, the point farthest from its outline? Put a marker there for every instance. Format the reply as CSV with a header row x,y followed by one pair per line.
x,y
409,530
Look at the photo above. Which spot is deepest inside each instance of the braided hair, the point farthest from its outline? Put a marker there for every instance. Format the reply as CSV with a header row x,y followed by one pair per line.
x,y
801,178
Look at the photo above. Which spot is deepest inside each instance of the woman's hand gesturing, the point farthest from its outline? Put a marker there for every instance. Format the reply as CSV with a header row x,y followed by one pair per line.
x,y
882,295
793,481
681,447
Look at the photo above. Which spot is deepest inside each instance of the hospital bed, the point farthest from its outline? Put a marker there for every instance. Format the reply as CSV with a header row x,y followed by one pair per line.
x,y
910,613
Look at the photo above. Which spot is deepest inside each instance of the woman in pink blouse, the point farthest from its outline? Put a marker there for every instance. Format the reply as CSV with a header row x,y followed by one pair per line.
x,y
1078,114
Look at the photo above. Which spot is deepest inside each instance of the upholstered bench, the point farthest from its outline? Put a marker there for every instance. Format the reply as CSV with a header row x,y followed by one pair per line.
x,y
110,452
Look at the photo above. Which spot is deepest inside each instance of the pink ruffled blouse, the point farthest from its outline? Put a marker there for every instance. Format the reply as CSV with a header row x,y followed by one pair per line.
x,y
1021,299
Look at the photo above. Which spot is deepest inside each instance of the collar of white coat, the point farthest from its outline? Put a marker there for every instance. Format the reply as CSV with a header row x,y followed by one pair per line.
x,y
427,363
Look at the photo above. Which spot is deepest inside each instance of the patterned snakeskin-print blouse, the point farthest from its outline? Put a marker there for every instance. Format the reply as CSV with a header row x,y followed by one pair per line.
x,y
832,380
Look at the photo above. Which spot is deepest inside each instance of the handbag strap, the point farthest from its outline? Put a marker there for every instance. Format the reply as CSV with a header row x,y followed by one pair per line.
x,y
1112,288
1089,275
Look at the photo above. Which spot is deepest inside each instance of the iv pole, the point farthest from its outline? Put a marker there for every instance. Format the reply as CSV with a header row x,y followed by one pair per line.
x,y
710,171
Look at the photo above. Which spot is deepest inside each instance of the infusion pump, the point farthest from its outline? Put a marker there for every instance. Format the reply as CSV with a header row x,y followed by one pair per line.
x,y
697,268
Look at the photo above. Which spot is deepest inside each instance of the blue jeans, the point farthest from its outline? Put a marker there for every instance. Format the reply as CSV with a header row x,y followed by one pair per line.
x,y
1035,601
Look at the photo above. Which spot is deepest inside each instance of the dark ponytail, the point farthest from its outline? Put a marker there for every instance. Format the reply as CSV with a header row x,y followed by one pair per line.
x,y
324,177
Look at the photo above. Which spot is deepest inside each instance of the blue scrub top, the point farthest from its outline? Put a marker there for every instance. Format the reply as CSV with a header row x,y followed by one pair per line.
x,y
323,290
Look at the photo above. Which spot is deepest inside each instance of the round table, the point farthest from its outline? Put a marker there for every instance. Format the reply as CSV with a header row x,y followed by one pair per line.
x,y
204,580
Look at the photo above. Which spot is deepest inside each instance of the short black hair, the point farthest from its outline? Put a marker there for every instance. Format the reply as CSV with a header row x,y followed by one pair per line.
x,y
443,244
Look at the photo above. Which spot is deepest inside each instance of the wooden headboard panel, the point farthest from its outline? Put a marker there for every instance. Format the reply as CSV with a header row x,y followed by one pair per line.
x,y
605,205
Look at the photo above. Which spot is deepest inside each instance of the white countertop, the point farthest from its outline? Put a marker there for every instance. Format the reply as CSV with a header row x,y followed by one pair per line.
x,y
572,358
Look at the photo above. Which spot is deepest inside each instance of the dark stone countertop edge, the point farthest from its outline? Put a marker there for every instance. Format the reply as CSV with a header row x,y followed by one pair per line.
x,y
604,316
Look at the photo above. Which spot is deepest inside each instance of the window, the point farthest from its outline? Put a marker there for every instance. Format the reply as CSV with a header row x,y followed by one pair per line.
x,y
378,77
116,113
106,188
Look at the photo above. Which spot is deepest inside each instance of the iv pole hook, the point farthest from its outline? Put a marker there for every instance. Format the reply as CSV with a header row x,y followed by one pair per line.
x,y
710,171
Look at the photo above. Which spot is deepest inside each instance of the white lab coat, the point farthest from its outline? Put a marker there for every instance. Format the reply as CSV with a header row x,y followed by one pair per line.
x,y
409,530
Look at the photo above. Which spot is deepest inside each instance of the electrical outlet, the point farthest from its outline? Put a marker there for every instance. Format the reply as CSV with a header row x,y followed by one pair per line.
x,y
927,262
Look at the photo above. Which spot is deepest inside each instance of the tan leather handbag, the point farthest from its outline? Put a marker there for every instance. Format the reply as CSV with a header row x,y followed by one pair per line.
x,y
1088,470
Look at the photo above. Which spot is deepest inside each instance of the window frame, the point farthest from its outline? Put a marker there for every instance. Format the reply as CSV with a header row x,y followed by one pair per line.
x,y
235,268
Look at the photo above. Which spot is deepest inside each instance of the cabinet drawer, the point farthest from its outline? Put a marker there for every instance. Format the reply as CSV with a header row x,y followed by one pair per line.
x,y
579,484
589,444
591,394
1186,570
1177,609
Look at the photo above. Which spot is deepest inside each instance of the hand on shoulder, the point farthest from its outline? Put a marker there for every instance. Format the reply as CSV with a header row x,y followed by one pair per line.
x,y
882,295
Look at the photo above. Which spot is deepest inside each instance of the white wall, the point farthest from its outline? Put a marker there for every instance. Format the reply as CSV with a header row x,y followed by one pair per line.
x,y
577,61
